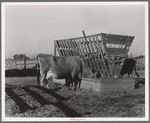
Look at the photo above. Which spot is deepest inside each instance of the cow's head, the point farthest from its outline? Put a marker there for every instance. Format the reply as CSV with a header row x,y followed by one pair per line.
x,y
49,76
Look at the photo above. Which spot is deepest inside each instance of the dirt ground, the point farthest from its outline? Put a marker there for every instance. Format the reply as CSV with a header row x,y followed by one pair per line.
x,y
24,98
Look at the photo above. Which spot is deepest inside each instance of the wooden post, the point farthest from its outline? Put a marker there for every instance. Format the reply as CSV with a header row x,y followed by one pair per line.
x,y
86,43
38,75
57,47
24,61
54,48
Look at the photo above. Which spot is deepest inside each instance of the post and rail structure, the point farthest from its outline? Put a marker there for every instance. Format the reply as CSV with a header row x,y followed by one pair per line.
x,y
99,51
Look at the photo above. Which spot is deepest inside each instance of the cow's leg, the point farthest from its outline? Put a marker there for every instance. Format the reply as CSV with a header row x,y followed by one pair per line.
x,y
43,76
79,83
47,86
129,75
67,82
72,84
38,76
136,72
120,76
75,82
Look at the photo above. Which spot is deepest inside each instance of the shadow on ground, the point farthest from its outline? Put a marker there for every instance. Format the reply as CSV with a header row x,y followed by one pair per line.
x,y
23,106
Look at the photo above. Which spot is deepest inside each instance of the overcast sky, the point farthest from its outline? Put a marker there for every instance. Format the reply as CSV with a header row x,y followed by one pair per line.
x,y
32,29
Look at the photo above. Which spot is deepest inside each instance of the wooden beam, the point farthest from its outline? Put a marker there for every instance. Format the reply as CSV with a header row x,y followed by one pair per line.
x,y
88,47
86,54
101,68
86,41
95,61
78,47
24,57
73,46
67,43
104,58
57,47
61,46
54,48
65,47
103,65
83,53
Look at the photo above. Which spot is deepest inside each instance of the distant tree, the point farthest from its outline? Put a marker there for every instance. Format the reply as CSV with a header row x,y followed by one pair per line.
x,y
19,56
27,57
139,57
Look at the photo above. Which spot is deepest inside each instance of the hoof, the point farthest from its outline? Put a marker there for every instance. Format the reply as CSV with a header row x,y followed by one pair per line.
x,y
41,84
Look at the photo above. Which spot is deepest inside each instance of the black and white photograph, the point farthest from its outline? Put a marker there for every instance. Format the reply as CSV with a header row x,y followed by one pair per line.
x,y
75,61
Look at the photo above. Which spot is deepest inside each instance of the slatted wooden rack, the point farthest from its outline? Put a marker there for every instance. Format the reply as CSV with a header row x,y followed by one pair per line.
x,y
99,51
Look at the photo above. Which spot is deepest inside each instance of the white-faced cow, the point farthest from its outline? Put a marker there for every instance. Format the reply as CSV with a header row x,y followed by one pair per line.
x,y
68,68
128,66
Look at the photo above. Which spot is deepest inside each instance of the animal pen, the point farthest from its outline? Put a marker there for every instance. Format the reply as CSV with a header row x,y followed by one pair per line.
x,y
102,52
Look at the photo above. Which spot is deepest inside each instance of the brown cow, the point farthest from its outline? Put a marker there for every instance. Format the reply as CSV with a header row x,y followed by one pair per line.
x,y
57,67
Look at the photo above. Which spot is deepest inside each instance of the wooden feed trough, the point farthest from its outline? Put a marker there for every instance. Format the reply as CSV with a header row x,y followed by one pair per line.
x,y
101,52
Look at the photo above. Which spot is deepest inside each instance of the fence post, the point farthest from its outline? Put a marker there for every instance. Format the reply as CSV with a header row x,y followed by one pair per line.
x,y
54,48
38,73
24,61
16,63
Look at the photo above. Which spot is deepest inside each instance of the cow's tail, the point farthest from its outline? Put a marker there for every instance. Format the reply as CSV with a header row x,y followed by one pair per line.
x,y
38,70
136,71
81,74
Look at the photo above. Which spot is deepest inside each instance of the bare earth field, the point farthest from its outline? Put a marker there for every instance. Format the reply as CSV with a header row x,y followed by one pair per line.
x,y
24,98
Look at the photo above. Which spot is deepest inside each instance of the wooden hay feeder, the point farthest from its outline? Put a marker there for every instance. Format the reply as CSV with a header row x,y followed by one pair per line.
x,y
101,52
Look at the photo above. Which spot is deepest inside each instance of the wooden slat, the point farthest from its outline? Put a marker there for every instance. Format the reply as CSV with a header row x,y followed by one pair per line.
x,y
118,42
75,47
104,58
116,51
86,57
86,41
78,48
64,48
86,61
101,70
64,43
95,62
61,46
54,48
72,48
67,43
88,47
110,65
57,47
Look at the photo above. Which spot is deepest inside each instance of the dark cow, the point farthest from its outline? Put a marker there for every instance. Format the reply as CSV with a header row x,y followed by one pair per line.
x,y
68,68
128,66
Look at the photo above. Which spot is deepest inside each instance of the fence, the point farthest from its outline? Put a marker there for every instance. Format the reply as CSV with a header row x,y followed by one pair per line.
x,y
19,64
140,64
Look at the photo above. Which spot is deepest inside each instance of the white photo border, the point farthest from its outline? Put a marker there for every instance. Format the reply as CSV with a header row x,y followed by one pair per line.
x,y
146,118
